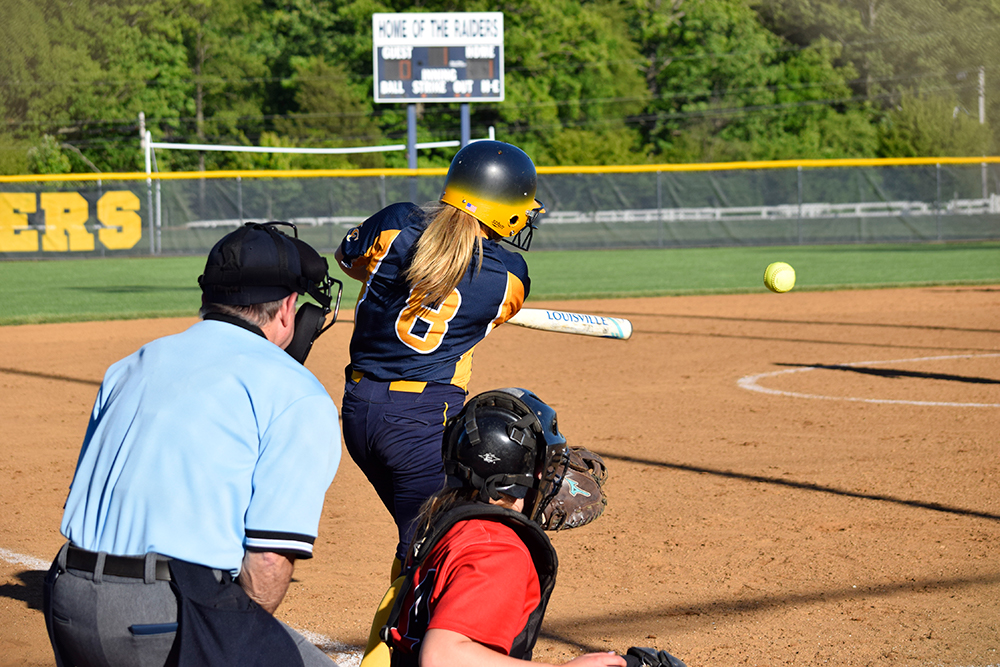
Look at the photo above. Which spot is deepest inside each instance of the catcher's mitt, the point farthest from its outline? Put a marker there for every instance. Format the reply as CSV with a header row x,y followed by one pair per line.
x,y
580,498
638,657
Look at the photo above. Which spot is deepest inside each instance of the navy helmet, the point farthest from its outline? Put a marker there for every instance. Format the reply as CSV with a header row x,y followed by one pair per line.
x,y
495,183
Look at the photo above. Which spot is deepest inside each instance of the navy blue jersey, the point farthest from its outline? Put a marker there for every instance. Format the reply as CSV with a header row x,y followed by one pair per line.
x,y
395,337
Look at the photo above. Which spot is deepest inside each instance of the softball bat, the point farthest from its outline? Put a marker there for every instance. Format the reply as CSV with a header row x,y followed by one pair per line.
x,y
573,323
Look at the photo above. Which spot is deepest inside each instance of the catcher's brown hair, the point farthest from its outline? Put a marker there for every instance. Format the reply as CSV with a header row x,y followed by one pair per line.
x,y
437,505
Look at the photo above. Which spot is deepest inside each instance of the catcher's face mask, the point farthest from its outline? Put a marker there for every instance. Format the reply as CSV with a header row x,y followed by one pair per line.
x,y
507,442
550,480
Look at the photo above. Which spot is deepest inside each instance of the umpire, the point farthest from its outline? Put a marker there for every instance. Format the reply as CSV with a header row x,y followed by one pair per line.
x,y
202,476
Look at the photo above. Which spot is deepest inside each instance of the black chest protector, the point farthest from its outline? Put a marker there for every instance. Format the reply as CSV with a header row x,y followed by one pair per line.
x,y
542,554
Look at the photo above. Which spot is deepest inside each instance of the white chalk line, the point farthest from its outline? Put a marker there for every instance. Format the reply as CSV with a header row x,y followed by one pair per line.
x,y
750,382
20,559
342,654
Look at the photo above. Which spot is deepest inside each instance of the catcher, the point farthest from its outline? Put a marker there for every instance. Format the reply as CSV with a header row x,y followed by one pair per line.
x,y
480,570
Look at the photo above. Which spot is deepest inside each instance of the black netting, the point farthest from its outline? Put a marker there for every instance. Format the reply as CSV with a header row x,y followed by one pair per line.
x,y
586,210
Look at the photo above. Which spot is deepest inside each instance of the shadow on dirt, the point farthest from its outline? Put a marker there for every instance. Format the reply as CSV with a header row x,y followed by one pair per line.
x,y
814,341
28,591
49,376
895,373
806,486
560,631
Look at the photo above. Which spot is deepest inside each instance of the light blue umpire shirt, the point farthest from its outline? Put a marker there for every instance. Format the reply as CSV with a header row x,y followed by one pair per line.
x,y
201,445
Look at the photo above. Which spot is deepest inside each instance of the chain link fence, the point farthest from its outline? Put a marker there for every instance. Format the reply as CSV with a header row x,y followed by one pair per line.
x,y
670,206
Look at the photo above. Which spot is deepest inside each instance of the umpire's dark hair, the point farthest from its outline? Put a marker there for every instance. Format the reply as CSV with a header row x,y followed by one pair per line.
x,y
257,264
259,314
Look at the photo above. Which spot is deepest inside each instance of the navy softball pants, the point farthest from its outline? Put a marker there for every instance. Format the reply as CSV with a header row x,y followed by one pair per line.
x,y
394,436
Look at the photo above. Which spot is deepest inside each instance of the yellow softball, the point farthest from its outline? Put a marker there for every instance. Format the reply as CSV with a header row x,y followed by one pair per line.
x,y
779,277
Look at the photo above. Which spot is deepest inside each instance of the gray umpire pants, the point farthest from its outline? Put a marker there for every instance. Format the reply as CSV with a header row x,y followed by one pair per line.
x,y
101,620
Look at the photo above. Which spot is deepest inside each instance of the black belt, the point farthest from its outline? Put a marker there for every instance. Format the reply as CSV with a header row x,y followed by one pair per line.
x,y
117,566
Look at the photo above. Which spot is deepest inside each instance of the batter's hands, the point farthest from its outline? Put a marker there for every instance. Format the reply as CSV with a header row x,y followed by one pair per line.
x,y
610,659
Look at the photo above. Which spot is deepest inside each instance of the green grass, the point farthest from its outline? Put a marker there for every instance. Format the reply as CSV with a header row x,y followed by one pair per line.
x,y
98,289
102,289
621,273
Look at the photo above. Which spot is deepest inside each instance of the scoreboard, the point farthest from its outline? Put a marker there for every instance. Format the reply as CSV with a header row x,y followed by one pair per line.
x,y
438,57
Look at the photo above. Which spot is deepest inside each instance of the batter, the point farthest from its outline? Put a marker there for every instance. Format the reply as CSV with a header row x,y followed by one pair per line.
x,y
417,324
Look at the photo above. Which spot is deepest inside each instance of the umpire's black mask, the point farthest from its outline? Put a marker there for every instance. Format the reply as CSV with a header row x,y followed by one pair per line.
x,y
259,263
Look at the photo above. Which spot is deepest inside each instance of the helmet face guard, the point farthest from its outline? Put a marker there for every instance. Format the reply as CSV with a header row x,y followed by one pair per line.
x,y
522,239
495,183
550,481
506,442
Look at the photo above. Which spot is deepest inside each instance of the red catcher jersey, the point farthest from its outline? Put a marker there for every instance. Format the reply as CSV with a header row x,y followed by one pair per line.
x,y
397,339
479,581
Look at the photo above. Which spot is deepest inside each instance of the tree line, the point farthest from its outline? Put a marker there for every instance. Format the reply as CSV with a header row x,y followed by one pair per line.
x,y
588,82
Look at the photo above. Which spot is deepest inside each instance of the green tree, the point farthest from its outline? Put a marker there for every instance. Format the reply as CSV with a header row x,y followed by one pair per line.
x,y
589,147
931,126
13,154
331,112
570,67
919,48
591,81
226,47
84,70
731,90
264,161
47,157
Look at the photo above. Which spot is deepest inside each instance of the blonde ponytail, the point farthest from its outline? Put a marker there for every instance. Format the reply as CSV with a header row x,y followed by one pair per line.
x,y
443,253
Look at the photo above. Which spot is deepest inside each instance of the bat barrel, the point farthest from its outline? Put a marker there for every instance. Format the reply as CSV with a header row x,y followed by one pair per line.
x,y
574,323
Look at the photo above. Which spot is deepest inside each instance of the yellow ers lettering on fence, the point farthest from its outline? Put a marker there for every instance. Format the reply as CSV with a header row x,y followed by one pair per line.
x,y
15,234
119,213
65,216
61,221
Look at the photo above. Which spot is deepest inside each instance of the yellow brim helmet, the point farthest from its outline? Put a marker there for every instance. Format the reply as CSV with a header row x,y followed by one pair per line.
x,y
495,183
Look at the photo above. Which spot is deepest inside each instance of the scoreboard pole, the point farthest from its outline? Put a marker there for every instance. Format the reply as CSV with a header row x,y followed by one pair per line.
x,y
411,147
466,124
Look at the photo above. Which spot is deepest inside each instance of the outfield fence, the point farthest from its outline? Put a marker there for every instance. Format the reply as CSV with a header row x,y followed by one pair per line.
x,y
807,202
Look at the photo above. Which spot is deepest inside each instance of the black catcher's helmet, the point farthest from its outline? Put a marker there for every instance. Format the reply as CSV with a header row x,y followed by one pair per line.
x,y
495,183
506,441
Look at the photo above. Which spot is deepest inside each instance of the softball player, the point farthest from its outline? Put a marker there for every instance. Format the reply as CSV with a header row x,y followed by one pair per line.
x,y
436,282
481,539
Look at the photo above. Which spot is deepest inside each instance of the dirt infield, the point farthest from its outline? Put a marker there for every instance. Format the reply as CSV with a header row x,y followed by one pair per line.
x,y
810,478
